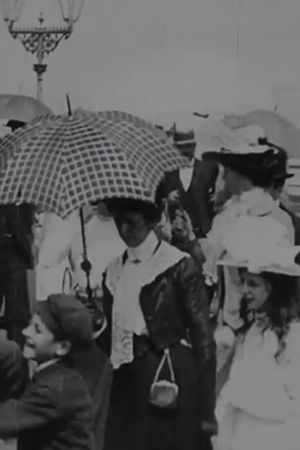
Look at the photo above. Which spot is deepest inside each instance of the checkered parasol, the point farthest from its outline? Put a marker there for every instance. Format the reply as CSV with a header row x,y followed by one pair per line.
x,y
63,162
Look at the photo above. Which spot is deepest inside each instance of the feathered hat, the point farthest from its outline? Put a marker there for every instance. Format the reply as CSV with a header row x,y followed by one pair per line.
x,y
260,244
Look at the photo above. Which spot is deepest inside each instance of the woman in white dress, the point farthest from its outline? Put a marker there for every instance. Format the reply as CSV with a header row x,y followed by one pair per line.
x,y
259,405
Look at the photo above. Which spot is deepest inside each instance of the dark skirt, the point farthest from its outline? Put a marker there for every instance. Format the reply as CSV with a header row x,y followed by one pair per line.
x,y
133,424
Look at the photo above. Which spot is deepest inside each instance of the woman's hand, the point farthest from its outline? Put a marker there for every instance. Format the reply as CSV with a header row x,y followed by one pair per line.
x,y
173,196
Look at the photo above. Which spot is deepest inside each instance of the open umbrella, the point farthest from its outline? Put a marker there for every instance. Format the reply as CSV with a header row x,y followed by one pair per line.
x,y
61,163
21,108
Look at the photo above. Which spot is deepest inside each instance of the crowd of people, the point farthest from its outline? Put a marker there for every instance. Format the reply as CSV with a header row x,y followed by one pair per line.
x,y
134,362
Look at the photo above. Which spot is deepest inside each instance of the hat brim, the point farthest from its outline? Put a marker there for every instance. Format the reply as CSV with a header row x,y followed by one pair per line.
x,y
284,176
186,143
293,270
227,158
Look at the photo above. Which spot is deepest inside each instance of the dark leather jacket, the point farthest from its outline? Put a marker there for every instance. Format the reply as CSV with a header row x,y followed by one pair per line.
x,y
175,307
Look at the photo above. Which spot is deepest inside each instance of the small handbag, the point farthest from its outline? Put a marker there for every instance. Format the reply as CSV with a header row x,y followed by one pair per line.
x,y
164,393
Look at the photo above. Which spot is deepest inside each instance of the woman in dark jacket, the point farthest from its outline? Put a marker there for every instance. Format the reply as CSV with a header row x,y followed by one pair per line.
x,y
154,299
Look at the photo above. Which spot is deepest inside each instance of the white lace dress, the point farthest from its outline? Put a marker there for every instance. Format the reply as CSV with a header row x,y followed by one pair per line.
x,y
259,406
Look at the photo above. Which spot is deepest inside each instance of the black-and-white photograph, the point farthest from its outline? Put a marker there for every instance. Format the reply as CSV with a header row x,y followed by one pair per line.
x,y
149,225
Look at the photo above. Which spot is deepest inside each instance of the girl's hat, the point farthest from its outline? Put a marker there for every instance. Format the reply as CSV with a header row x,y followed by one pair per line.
x,y
260,244
67,318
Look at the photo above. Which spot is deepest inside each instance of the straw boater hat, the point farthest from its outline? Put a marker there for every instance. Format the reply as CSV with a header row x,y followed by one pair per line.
x,y
260,244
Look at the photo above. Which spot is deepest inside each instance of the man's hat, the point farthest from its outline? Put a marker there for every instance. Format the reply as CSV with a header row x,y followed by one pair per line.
x,y
67,318
15,124
182,138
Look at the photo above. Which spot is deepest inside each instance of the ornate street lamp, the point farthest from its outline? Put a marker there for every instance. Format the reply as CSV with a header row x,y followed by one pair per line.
x,y
41,40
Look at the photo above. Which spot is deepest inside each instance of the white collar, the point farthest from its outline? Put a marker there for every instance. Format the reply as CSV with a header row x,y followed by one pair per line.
x,y
144,251
46,364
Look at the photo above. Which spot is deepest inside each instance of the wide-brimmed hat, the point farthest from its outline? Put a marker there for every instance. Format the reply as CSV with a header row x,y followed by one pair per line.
x,y
260,244
240,154
255,161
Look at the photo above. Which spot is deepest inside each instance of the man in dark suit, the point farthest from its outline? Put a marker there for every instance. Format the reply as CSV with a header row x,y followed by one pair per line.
x,y
15,258
190,188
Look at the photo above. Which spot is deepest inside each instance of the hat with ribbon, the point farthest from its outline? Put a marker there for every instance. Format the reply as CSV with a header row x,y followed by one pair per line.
x,y
67,318
280,163
254,161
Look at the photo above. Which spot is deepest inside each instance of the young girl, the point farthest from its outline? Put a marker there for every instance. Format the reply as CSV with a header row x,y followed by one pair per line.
x,y
259,406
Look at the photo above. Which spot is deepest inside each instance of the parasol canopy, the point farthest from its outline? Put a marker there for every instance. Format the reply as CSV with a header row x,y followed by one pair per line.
x,y
21,108
62,162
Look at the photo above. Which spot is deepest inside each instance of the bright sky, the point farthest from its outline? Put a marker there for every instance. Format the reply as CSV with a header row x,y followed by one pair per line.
x,y
113,34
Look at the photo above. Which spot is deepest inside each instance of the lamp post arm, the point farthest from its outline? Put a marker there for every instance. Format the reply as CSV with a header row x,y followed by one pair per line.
x,y
40,41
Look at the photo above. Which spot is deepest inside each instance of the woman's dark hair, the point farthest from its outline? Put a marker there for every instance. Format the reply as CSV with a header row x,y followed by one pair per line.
x,y
282,305
150,212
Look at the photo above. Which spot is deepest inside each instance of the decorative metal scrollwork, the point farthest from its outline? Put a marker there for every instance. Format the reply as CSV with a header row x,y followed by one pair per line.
x,y
41,40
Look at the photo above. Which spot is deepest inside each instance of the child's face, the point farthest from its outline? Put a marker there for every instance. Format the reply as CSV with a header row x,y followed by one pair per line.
x,y
40,343
256,290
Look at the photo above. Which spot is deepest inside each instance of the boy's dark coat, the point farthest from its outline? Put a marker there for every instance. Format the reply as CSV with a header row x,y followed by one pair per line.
x,y
55,412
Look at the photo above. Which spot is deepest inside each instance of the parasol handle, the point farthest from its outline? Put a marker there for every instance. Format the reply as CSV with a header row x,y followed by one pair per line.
x,y
86,264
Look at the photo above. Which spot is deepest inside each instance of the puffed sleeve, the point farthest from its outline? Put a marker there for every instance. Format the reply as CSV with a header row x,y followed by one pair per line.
x,y
193,294
57,236
195,303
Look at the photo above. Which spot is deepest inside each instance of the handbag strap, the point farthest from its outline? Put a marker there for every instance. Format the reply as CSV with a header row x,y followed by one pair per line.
x,y
166,358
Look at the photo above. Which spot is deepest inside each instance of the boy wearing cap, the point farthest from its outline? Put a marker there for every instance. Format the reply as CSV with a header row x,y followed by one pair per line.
x,y
56,410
